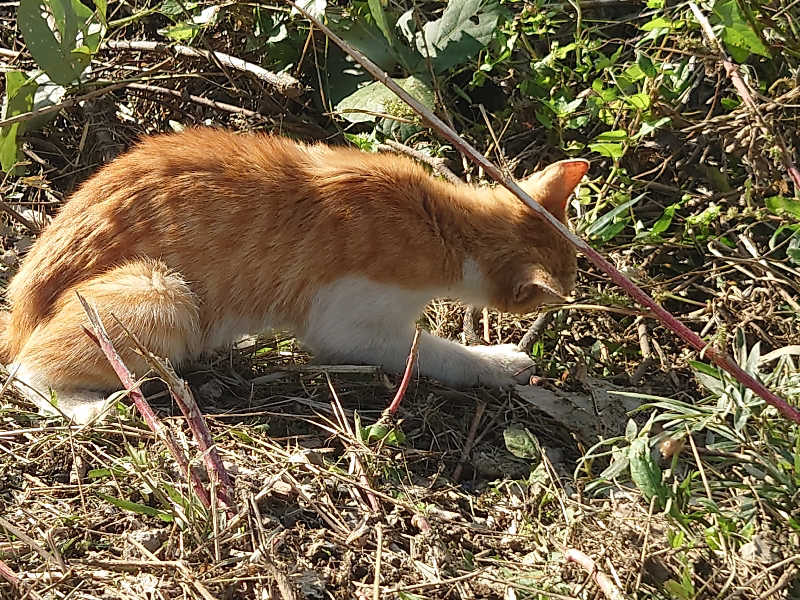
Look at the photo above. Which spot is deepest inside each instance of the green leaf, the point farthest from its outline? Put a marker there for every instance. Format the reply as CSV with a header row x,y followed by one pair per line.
x,y
367,38
465,27
20,91
645,473
663,222
737,34
607,143
140,509
377,98
793,251
780,205
609,149
181,31
608,223
376,8
521,443
658,23
53,29
678,591
380,432
187,30
646,65
640,101
173,8
650,126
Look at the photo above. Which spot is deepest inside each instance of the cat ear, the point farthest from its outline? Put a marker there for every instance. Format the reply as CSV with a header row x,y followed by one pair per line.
x,y
536,283
552,186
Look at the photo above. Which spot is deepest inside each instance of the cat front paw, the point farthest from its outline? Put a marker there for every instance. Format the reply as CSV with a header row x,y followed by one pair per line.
x,y
503,365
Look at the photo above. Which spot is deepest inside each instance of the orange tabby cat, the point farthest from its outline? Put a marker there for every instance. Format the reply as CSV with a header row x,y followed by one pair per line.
x,y
195,239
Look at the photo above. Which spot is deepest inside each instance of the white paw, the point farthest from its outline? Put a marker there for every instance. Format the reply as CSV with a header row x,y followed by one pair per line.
x,y
503,365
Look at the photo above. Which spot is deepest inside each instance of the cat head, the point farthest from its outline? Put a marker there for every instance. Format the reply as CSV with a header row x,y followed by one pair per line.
x,y
539,266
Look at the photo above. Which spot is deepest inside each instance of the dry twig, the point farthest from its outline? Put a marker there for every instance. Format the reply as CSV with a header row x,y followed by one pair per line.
x,y
283,82
184,398
101,338
732,70
526,343
46,110
470,441
197,99
437,164
401,391
602,580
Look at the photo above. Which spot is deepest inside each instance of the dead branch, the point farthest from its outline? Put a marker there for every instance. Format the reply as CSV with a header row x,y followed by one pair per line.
x,y
470,441
720,358
602,580
27,223
526,343
101,338
184,398
197,99
8,574
26,116
437,164
741,87
283,82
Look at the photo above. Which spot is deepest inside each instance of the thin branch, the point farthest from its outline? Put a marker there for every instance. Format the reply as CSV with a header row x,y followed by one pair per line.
x,y
100,337
197,99
283,82
8,574
437,164
470,441
184,398
732,70
401,391
602,580
721,359
27,223
26,116
526,343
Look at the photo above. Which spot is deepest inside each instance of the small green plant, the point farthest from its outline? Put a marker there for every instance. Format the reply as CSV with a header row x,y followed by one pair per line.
x,y
62,36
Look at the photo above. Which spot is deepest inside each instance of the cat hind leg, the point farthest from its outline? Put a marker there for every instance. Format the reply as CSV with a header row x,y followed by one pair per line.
x,y
152,302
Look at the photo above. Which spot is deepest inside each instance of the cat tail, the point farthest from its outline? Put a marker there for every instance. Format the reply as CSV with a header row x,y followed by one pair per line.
x,y
5,325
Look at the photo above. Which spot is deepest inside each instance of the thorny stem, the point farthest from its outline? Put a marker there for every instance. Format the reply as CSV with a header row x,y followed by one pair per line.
x,y
719,358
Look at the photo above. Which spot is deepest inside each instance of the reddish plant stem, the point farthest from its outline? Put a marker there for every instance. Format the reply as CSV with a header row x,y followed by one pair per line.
x,y
8,574
401,391
186,402
634,291
184,398
100,337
